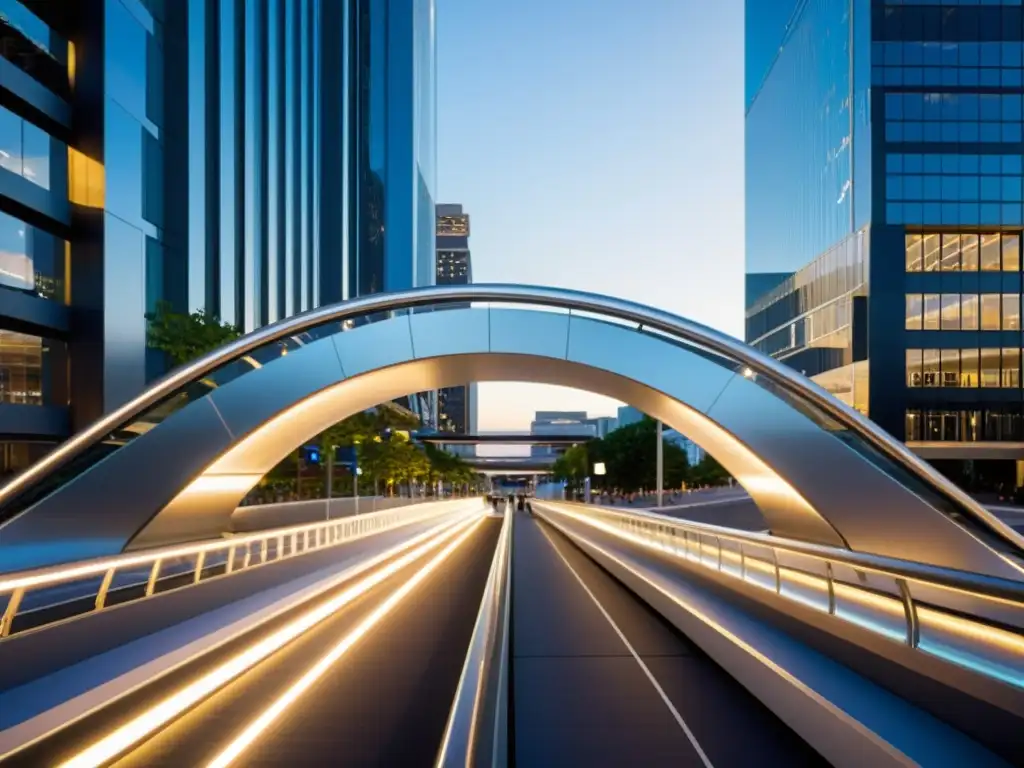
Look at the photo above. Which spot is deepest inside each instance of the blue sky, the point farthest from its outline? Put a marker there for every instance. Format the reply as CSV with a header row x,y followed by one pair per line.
x,y
596,146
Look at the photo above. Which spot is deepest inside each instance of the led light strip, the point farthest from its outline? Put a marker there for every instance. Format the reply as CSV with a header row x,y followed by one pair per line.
x,y
159,715
266,718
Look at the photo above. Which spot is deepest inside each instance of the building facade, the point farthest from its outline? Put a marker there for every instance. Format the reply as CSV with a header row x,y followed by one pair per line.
x,y
245,157
884,214
559,423
456,406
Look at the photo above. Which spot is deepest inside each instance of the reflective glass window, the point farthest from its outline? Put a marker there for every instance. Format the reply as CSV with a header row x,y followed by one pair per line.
x,y
969,368
950,361
969,311
951,311
36,150
1011,253
915,254
1011,367
913,425
991,260
1011,311
914,312
991,311
932,252
914,369
21,368
990,365
31,259
10,141
969,253
931,367
932,308
950,253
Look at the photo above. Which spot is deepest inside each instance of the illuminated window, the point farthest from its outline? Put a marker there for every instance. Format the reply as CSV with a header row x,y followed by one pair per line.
x,y
86,180
1011,311
932,252
930,363
915,307
914,378
951,311
969,311
1011,253
969,253
1011,367
991,260
950,368
990,362
915,254
991,311
950,253
969,368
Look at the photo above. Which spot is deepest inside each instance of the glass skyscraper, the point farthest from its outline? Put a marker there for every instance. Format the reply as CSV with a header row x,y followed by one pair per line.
x,y
457,406
254,158
884,213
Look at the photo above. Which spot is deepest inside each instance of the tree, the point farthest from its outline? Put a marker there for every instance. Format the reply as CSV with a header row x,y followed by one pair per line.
x,y
573,466
630,458
709,472
184,337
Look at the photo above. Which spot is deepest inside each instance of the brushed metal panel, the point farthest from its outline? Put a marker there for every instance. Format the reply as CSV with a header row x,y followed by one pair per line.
x,y
248,401
451,332
101,510
871,511
525,332
377,345
695,380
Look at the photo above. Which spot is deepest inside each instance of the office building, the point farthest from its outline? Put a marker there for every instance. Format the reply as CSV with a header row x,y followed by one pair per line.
x,y
456,407
240,156
604,424
628,415
884,214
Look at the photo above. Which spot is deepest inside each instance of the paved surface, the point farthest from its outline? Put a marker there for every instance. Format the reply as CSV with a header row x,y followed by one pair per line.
x,y
385,703
581,695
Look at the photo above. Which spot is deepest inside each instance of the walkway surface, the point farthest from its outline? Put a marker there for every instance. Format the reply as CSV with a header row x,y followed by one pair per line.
x,y
599,679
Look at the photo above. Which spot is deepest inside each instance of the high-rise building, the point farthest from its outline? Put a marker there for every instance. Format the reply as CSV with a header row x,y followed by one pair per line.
x,y
241,156
884,212
456,406
559,423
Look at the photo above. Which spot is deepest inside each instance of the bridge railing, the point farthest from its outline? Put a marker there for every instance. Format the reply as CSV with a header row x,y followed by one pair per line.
x,y
966,619
35,598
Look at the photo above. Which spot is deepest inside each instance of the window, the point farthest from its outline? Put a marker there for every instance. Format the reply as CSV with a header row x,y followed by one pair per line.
x,y
914,368
991,260
969,368
969,311
950,368
915,254
930,366
991,311
932,308
914,311
969,253
951,311
1011,367
931,253
1011,311
1011,253
21,364
990,362
950,253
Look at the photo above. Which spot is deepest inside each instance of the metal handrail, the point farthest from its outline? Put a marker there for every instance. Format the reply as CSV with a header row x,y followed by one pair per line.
x,y
974,623
644,317
239,553
989,586
477,730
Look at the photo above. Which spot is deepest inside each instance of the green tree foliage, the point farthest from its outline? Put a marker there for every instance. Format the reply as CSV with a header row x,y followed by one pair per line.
x,y
708,472
630,458
184,337
573,466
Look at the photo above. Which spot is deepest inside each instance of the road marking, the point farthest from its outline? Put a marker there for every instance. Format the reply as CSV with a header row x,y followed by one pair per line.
x,y
636,657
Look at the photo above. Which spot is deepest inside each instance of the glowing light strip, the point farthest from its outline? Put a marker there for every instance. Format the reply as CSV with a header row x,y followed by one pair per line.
x,y
266,718
159,715
97,567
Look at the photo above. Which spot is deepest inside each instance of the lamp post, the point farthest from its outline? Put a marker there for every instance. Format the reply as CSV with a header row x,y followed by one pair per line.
x,y
660,474
599,471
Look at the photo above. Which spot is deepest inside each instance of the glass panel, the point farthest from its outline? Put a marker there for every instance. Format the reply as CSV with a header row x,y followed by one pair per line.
x,y
990,311
931,311
990,257
22,359
914,368
1011,253
990,361
10,141
950,367
951,311
15,265
913,425
950,253
1011,311
969,253
913,315
969,311
969,368
932,252
915,254
1011,367
36,149
931,367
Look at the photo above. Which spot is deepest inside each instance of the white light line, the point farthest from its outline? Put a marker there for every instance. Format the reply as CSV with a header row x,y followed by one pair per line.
x,y
266,718
636,657
131,733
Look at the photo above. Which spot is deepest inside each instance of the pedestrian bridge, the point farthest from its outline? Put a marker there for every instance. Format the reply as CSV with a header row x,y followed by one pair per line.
x,y
877,622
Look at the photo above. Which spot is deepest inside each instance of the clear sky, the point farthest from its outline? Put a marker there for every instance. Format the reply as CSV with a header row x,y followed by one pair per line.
x,y
598,145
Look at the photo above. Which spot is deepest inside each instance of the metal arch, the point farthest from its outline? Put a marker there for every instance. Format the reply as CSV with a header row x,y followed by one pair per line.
x,y
767,369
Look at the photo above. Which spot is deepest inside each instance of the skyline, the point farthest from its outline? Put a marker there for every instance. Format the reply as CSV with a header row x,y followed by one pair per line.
x,y
610,134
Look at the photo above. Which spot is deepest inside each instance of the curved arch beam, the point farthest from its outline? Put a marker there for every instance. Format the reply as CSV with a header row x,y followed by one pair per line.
x,y
807,481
